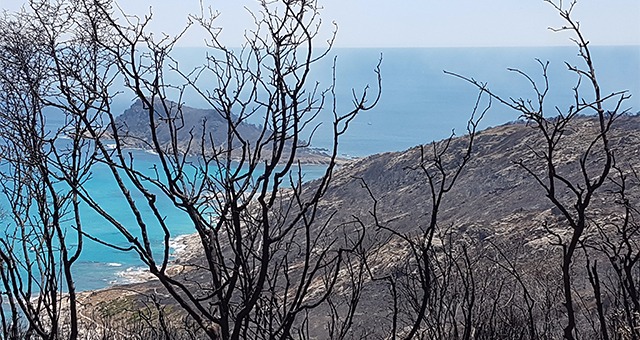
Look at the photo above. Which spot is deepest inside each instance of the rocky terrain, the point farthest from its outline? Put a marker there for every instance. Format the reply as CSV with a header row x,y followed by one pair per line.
x,y
190,128
495,208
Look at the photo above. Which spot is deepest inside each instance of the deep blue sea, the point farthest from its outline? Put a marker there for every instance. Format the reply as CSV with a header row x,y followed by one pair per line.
x,y
419,104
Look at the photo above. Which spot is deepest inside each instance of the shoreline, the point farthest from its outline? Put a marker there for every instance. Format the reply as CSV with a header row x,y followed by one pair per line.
x,y
308,155
181,246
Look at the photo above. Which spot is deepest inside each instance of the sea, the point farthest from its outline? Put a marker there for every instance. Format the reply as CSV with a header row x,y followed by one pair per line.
x,y
419,103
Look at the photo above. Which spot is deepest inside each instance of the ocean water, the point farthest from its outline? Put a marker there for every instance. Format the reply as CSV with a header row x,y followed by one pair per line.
x,y
419,104
100,266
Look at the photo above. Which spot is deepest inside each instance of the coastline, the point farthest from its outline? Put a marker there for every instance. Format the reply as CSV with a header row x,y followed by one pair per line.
x,y
121,299
183,249
97,270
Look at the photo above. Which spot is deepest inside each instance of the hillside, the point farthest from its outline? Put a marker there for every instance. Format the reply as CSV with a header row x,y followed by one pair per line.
x,y
492,189
496,213
496,232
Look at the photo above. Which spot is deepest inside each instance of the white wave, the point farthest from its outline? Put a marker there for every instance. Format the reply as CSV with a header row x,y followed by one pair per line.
x,y
178,245
132,275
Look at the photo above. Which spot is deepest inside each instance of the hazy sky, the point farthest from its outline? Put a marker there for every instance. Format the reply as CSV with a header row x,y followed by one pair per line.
x,y
418,23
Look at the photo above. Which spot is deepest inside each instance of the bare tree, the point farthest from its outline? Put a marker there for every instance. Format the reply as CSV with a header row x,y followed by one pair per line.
x,y
271,261
616,286
432,289
43,237
268,262
570,189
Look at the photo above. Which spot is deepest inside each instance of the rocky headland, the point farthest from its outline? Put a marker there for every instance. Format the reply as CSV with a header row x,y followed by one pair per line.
x,y
195,131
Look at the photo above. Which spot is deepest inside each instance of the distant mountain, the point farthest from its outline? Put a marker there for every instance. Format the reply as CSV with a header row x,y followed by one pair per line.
x,y
191,123
194,127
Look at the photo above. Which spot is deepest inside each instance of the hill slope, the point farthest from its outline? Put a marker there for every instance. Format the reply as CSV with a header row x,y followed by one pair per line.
x,y
496,234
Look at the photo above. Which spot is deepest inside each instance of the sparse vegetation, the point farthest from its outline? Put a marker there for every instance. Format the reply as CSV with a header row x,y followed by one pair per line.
x,y
524,231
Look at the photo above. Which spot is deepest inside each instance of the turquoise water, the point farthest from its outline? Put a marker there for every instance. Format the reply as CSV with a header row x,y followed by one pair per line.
x,y
419,104
100,266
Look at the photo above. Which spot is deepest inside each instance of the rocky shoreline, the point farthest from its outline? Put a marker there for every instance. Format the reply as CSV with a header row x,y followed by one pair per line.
x,y
185,247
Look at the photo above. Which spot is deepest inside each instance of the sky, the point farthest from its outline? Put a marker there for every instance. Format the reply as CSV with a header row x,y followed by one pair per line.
x,y
415,23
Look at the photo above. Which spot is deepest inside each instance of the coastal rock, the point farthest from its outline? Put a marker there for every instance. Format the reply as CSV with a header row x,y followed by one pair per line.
x,y
192,125
184,129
